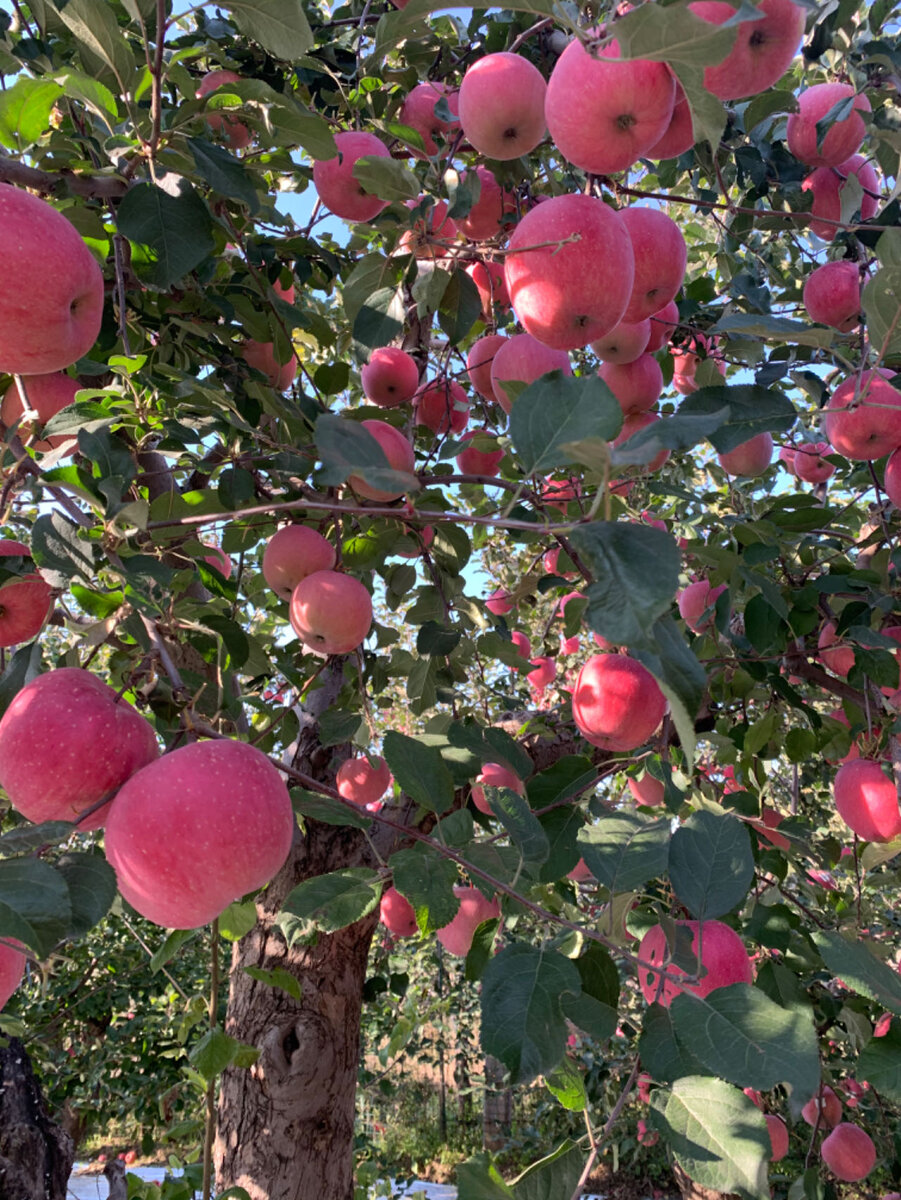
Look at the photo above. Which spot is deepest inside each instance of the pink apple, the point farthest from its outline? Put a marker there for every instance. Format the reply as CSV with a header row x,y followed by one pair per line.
x,y
647,790
679,135
832,295
500,602
867,801
442,406
397,915
827,184
522,644
363,780
849,1152
787,458
660,254
751,458
523,358
487,214
261,356
418,112
863,417
489,279
543,673
400,455
334,179
473,461
892,482
624,343
12,969
828,1104
456,938
722,955
551,564
66,741
810,465
291,554
497,776
843,139
390,378
778,1131
219,559
663,326
47,395
634,423
331,612
26,601
570,270
197,829
616,702
232,131
695,600
838,657
432,235
502,104
762,51
557,493
131,1156
55,321
603,114
636,385
479,363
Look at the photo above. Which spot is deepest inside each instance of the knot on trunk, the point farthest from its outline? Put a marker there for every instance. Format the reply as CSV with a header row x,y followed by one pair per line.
x,y
297,1058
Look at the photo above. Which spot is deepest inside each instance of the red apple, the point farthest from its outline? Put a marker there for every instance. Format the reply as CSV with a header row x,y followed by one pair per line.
x,y
523,358
557,493
832,295
679,135
232,131
570,269
551,564
762,51
131,1156
397,915
663,325
499,602
604,114
331,612
624,343
494,775
827,184
479,363
697,599
660,254
722,956
291,554
25,601
863,417
810,465
485,218
473,461
261,356
844,137
522,644
66,741
617,704
456,938
489,279
418,112
647,790
47,395
198,829
830,1106
400,455
502,104
53,322
219,559
425,537
442,406
12,969
892,481
636,385
839,660
751,458
363,780
390,378
787,458
867,800
543,674
848,1152
778,1131
336,183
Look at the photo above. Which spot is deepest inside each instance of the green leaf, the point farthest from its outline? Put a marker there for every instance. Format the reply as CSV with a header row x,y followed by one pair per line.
x,y
561,828
280,26
237,920
329,811
711,863
170,947
741,1035
397,26
294,125
880,1064
380,319
276,978
625,850
419,771
92,889
854,963
386,178
59,551
752,410
636,576
717,1135
34,903
329,902
170,230
24,666
347,448
223,172
670,433
557,412
460,306
673,35
523,1024
216,1050
91,93
555,1176
25,111
521,824
26,838
708,115
661,1052
595,1009
95,28
882,307
773,329
672,662
478,1177
427,880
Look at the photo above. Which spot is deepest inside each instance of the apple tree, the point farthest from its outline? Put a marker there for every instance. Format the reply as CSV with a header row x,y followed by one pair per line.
x,y
450,475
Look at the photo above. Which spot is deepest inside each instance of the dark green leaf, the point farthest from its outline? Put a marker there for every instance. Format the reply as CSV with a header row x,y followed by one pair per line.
x,y
880,1064
661,1052
624,850
460,306
427,880
34,903
216,1050
24,666
170,230
776,329
330,902
280,26
347,448
329,811
277,978
556,1176
557,412
386,178
752,410
671,433
59,551
671,661
223,172
92,889
521,824
860,969
711,863
419,771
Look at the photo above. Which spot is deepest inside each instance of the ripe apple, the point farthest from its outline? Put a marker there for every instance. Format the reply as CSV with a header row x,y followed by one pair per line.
x,y
863,417
617,704
829,1104
418,112
570,269
12,969
291,554
523,358
633,423
197,829
636,385
848,1152
219,559
500,602
551,564
57,320
522,644
473,461
722,956
892,481
442,406
557,493
363,780
660,255
810,465
261,356
867,800
543,674
844,137
400,455
839,660
832,295
762,51
663,325
787,458
432,234
47,395
502,105
479,363
397,915
778,1131
25,601
494,775
489,279
624,343
85,732
602,114
827,184
456,938
336,184
695,600
232,131
751,458
679,135
647,790
331,612
485,218
390,378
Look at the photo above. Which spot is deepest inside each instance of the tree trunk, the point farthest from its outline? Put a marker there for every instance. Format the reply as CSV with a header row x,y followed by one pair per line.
x,y
497,1109
36,1156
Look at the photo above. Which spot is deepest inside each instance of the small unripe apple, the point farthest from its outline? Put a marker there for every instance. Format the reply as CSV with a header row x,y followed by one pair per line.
x,y
616,702
866,799
291,554
232,131
334,179
502,100
390,378
397,915
363,780
848,1152
456,937
331,612
494,775
399,452
828,1104
722,955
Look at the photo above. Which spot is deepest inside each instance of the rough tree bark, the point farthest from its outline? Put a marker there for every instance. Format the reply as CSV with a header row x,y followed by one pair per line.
x,y
36,1156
